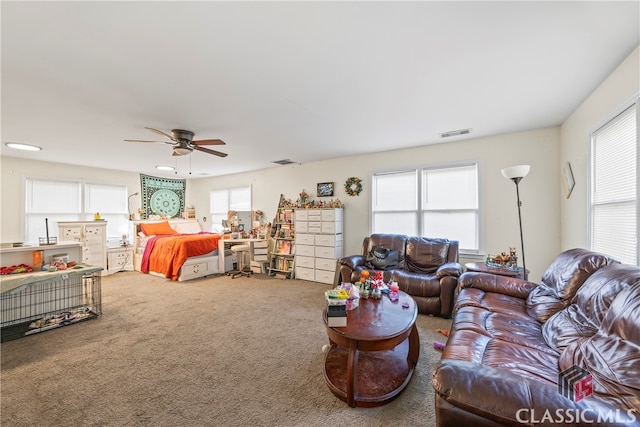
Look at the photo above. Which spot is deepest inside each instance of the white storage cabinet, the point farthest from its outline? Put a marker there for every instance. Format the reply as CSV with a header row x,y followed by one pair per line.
x,y
319,243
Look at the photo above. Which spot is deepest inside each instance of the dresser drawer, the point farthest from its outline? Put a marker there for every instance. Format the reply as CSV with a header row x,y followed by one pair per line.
x,y
305,261
332,227
328,252
314,227
332,215
314,214
71,234
323,276
195,268
302,226
304,239
301,215
305,250
305,273
326,264
328,240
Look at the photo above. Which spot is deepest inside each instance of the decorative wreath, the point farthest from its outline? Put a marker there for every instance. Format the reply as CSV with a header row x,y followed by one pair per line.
x,y
353,186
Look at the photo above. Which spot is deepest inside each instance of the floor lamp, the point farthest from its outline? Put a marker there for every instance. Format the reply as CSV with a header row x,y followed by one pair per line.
x,y
515,174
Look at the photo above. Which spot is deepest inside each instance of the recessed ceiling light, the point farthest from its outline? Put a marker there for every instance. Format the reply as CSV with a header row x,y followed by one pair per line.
x,y
25,147
283,162
455,133
165,168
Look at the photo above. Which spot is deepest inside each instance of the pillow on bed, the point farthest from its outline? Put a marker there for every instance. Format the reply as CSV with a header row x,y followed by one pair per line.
x,y
155,228
191,227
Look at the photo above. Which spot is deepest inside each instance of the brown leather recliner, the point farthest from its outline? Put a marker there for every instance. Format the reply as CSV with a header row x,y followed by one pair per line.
x,y
427,269
513,343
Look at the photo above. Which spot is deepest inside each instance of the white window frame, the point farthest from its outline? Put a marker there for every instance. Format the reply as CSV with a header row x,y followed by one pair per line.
x,y
624,256
118,225
217,215
419,210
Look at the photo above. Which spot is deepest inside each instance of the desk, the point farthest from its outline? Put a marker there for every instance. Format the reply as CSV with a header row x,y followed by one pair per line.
x,y
231,242
481,267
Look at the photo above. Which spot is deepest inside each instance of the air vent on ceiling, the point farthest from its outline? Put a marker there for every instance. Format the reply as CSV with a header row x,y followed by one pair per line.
x,y
455,133
283,162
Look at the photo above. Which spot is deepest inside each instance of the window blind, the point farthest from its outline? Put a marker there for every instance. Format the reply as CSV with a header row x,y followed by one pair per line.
x,y
614,187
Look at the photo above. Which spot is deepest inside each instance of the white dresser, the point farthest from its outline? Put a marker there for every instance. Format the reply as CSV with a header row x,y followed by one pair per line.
x,y
92,235
318,243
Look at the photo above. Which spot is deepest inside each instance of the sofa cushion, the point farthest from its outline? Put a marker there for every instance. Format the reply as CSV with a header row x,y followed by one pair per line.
x,y
425,255
562,280
506,327
417,284
612,355
485,351
589,306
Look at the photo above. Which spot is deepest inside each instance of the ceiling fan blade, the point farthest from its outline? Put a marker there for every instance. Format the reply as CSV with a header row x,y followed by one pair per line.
x,y
159,132
206,150
142,140
209,142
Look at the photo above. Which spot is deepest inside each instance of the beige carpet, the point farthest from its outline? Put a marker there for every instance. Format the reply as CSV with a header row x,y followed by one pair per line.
x,y
208,352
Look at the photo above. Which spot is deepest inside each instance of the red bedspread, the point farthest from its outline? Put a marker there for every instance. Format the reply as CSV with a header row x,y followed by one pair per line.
x,y
166,254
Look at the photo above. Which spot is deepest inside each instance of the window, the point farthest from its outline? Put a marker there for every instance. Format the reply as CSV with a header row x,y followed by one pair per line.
x,y
55,201
430,202
614,187
222,201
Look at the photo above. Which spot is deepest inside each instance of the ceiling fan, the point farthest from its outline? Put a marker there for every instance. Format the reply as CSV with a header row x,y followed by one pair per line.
x,y
183,143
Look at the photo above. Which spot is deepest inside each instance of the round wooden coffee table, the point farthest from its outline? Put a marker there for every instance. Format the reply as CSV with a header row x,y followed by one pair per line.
x,y
371,360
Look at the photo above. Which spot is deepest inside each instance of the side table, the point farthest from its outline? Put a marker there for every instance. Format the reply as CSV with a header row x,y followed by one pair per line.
x,y
482,267
371,360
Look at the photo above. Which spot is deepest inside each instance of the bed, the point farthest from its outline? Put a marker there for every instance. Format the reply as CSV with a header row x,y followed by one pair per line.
x,y
178,250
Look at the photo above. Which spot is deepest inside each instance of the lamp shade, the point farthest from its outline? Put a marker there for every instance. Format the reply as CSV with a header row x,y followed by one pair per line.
x,y
519,171
181,151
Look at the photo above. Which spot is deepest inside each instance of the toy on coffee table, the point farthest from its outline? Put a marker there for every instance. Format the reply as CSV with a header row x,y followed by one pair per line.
x,y
394,290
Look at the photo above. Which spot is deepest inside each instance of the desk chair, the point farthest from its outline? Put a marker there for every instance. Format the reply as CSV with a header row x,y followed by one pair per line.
x,y
242,255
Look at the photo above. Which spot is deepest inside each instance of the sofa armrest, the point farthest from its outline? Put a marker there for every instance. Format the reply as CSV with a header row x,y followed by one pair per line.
x,y
449,269
508,398
487,282
353,261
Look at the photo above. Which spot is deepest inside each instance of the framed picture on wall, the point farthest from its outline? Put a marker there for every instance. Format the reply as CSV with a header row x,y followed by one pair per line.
x,y
325,189
567,179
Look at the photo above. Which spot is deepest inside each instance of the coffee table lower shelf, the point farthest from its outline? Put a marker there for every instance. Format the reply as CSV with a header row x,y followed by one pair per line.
x,y
380,376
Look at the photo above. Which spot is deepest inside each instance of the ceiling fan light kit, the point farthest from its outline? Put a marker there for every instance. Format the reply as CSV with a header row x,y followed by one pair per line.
x,y
183,143
181,151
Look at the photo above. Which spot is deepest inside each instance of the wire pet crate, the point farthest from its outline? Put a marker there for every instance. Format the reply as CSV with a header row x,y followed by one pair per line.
x,y
58,300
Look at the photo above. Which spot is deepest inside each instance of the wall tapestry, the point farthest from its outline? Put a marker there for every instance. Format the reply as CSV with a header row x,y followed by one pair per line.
x,y
162,197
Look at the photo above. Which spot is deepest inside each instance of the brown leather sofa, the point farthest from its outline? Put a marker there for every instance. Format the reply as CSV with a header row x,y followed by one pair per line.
x,y
427,269
514,343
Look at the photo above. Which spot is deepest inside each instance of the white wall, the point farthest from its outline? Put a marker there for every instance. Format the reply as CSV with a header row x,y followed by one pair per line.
x,y
616,91
539,191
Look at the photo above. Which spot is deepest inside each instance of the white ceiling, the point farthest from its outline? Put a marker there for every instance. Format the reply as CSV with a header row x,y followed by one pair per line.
x,y
304,81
